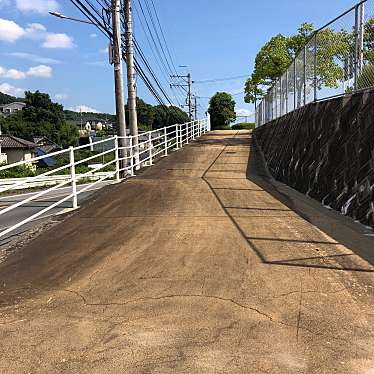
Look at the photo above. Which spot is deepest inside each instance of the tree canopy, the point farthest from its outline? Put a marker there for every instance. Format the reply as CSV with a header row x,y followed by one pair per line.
x,y
333,50
273,60
40,117
221,110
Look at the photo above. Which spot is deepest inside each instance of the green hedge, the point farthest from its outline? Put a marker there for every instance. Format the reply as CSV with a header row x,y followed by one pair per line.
x,y
244,126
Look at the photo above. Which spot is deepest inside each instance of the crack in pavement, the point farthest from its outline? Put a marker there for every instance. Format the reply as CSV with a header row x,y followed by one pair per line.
x,y
171,296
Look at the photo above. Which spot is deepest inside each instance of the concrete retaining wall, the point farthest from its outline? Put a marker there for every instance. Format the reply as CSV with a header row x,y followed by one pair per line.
x,y
326,150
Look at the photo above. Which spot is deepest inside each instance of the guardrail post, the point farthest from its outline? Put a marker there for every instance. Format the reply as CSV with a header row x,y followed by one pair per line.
x,y
131,158
116,155
177,136
150,148
73,178
166,140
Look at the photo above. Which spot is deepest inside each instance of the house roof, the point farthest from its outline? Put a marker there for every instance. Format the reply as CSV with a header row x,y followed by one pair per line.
x,y
9,141
14,103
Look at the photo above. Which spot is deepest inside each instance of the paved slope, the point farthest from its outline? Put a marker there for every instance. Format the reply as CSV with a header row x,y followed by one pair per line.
x,y
190,267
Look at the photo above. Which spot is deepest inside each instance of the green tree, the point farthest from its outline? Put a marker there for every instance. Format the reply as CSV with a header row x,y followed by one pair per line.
x,y
145,114
273,60
276,56
221,110
168,116
40,117
68,135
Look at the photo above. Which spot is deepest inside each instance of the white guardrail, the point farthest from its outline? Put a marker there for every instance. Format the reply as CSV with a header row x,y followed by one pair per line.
x,y
126,155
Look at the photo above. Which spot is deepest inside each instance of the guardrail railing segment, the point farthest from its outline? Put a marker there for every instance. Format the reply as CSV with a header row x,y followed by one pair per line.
x,y
119,161
337,60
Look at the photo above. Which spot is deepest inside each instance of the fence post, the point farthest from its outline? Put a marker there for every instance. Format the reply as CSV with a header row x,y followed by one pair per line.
x,y
315,67
131,158
177,135
73,178
150,148
280,97
116,155
355,72
294,84
304,74
166,141
287,91
187,132
193,124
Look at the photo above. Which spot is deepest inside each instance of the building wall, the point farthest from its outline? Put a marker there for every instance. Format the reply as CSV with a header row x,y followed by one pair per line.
x,y
15,155
326,150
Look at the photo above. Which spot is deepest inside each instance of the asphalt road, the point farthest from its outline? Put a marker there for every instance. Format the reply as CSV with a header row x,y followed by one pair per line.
x,y
17,215
202,264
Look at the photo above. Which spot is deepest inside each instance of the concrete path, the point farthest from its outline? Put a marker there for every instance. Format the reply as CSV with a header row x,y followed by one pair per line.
x,y
192,268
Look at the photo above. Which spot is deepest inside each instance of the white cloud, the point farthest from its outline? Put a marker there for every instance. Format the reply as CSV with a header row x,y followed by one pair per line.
x,y
103,50
93,35
11,73
58,41
10,31
43,71
37,6
34,58
243,112
11,90
84,108
61,96
35,27
14,74
36,71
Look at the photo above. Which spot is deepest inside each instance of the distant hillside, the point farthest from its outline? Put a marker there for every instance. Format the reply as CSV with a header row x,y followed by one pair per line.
x,y
71,116
6,99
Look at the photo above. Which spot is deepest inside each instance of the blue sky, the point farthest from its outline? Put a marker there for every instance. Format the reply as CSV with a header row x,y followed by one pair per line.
x,y
215,38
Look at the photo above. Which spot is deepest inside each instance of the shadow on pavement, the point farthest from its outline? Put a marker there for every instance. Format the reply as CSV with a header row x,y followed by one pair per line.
x,y
256,173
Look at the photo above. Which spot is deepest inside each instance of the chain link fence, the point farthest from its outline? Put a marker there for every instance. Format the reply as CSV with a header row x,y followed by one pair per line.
x,y
338,59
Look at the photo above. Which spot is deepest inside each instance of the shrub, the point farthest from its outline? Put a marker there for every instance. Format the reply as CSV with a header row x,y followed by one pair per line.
x,y
244,126
21,171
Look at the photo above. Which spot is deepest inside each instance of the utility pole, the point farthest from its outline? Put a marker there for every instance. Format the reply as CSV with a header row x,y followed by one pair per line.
x,y
188,84
195,108
118,73
131,84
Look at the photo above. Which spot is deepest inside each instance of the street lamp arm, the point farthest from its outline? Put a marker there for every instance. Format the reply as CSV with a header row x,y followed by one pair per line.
x,y
59,15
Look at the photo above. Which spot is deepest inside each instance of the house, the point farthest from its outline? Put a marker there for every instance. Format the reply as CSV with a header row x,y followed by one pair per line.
x,y
91,125
11,108
45,146
17,149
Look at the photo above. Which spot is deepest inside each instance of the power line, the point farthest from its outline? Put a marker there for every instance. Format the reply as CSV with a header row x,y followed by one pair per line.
x,y
99,22
222,79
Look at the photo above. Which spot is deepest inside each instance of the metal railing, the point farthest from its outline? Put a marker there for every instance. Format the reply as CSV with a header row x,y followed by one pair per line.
x,y
338,59
119,161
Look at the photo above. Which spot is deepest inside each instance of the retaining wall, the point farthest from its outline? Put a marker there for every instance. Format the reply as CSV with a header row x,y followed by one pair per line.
x,y
326,150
